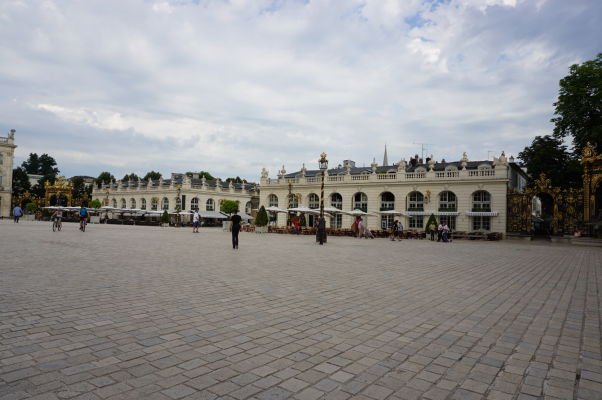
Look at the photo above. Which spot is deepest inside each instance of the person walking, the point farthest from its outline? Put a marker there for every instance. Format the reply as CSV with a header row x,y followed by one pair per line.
x,y
360,227
399,230
440,232
321,232
445,232
17,213
196,221
432,230
394,228
236,219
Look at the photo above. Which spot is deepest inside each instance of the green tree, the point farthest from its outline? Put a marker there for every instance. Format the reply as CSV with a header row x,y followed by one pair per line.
x,y
165,217
302,220
202,174
40,165
79,187
20,181
229,206
95,204
104,178
155,176
31,208
579,107
431,219
549,155
236,180
130,177
262,217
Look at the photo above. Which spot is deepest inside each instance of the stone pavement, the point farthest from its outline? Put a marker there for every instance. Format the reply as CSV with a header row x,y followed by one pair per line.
x,y
123,312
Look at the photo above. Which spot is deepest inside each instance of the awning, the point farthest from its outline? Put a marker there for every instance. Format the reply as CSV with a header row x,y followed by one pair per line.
x,y
275,210
481,213
419,213
212,214
245,216
304,210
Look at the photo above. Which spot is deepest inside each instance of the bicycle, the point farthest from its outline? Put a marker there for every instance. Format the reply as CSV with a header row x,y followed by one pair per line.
x,y
56,225
82,225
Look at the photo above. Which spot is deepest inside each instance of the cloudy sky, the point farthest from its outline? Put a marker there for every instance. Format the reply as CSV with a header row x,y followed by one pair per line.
x,y
231,86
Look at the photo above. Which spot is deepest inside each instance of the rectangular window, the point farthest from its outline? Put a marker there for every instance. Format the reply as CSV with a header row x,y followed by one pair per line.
x,y
481,223
416,222
386,221
336,221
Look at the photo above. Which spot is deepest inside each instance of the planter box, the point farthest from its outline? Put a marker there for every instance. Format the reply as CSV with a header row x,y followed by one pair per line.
x,y
29,217
165,225
95,219
261,229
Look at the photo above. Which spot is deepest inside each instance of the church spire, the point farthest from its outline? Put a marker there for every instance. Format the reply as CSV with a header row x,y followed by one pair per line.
x,y
385,160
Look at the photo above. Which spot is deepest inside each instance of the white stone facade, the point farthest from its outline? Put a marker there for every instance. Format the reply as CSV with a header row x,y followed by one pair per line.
x,y
7,153
201,194
477,188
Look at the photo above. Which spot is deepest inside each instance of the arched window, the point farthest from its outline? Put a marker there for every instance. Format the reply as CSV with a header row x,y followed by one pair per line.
x,y
481,201
248,207
132,203
1,159
123,203
415,201
387,201
114,203
178,203
336,201
194,204
313,200
293,201
165,203
360,202
336,220
143,204
272,200
447,201
0,177
154,203
210,205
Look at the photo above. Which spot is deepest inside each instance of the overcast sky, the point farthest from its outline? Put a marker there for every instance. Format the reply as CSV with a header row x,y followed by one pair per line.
x,y
231,86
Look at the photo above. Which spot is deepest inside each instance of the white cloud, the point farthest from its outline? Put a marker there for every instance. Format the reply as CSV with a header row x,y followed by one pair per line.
x,y
233,86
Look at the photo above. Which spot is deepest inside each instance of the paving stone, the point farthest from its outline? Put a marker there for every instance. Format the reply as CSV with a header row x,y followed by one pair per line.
x,y
141,315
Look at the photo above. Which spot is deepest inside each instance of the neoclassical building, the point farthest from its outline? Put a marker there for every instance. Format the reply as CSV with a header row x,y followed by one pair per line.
x,y
7,152
180,192
469,195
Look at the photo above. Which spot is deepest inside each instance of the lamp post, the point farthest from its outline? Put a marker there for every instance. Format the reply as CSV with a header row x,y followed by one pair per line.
x,y
107,205
290,202
323,163
178,203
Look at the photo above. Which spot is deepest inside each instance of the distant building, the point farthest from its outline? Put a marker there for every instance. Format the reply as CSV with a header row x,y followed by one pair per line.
x,y
179,192
87,179
7,152
468,195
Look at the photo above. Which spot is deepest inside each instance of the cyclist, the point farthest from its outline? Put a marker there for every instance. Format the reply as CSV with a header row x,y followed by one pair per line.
x,y
83,217
58,216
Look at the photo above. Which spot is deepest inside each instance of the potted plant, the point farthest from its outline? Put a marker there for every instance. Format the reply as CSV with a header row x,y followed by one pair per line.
x,y
30,209
165,219
95,219
261,221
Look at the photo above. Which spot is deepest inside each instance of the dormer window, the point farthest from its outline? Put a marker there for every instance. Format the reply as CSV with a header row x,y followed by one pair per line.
x,y
420,169
451,168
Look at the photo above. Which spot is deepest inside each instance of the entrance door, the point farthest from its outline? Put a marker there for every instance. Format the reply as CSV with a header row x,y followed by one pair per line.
x,y
543,214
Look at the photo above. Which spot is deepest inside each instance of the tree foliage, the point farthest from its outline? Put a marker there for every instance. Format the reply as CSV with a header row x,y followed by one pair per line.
x,y
262,217
79,187
31,208
40,165
236,180
202,174
104,178
95,204
229,206
20,181
130,177
549,155
153,175
431,219
579,107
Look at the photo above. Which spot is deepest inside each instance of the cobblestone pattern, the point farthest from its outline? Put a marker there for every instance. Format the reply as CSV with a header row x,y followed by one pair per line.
x,y
122,312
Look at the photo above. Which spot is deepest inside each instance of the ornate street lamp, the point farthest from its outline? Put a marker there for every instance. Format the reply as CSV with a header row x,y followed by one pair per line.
x,y
321,234
178,204
107,205
290,202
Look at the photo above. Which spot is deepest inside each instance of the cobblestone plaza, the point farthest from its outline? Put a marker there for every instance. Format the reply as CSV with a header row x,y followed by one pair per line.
x,y
125,312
